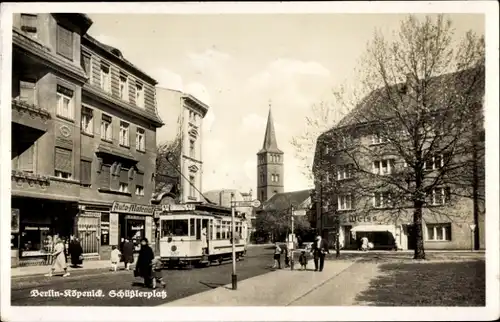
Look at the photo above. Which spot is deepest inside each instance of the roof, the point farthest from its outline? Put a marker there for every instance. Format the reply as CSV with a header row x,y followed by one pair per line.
x,y
222,197
283,200
270,143
117,54
376,101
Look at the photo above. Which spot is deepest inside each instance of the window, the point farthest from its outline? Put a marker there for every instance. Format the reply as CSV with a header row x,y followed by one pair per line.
x,y
139,190
123,187
435,162
382,200
178,227
345,171
439,232
124,87
85,172
139,95
64,42
124,133
140,140
105,78
65,103
85,61
218,230
383,167
191,149
440,196
29,24
87,120
344,202
139,180
105,176
104,228
378,139
27,91
63,163
106,133
277,177
23,159
192,191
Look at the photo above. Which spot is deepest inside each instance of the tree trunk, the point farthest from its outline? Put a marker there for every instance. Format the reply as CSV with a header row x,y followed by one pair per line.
x,y
417,226
475,186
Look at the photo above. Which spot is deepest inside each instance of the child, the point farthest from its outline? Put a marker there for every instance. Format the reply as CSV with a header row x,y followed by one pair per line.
x,y
157,273
115,258
303,260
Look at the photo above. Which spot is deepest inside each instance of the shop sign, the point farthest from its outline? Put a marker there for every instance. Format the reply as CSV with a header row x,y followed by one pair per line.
x,y
360,218
113,229
132,217
186,207
141,227
14,223
130,208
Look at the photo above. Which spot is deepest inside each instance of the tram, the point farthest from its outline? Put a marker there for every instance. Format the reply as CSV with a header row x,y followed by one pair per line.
x,y
199,234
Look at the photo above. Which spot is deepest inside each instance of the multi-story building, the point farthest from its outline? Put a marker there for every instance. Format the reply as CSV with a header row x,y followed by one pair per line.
x,y
270,168
186,114
83,139
363,174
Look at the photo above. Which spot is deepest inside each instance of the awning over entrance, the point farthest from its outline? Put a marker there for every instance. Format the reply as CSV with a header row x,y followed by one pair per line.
x,y
374,228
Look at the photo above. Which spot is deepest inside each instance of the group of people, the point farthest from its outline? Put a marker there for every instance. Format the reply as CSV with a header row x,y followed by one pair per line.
x,y
319,250
59,254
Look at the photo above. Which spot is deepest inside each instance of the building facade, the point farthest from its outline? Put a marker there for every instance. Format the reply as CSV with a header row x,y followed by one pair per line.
x,y
83,140
270,168
185,126
361,175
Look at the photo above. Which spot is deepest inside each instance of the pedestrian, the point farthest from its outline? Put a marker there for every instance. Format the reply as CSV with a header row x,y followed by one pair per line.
x,y
115,258
277,254
127,253
303,260
75,252
286,252
143,267
364,243
319,250
157,272
59,258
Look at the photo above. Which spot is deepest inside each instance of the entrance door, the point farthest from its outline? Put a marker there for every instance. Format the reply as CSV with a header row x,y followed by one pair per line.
x,y
412,241
205,227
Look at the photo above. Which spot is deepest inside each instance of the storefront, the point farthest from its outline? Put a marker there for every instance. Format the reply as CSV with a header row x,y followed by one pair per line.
x,y
34,225
131,221
354,227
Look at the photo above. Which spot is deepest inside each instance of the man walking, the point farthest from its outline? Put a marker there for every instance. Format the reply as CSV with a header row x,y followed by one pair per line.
x,y
319,250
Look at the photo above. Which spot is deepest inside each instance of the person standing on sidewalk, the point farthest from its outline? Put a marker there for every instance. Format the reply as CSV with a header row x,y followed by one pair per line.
x,y
277,254
128,253
319,250
75,252
144,268
59,258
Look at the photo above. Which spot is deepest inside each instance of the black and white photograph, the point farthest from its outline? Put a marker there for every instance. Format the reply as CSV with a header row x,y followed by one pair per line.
x,y
250,161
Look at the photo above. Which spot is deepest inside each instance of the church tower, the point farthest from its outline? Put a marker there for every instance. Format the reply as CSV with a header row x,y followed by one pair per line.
x,y
269,164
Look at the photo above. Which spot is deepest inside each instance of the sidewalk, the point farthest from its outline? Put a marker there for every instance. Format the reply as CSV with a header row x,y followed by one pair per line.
x,y
277,288
44,269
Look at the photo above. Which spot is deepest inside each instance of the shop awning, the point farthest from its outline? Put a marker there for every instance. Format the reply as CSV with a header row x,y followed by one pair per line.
x,y
374,228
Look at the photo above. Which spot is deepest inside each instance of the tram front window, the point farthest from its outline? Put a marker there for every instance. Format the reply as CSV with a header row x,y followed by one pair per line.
x,y
175,227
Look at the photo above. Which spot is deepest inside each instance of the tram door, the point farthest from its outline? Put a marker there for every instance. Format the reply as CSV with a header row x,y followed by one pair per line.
x,y
205,227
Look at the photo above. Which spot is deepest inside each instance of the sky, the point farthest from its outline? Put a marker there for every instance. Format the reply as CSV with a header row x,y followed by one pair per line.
x,y
241,64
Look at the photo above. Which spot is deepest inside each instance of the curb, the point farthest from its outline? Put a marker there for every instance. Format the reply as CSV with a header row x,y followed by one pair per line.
x,y
83,269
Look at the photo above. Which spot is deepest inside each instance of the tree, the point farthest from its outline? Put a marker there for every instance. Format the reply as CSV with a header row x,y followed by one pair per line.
x,y
168,170
422,111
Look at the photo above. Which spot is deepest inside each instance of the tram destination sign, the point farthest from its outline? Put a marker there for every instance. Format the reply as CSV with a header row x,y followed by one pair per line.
x,y
247,203
178,207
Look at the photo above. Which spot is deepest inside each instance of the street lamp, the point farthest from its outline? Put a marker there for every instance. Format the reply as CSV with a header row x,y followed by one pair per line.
x,y
293,239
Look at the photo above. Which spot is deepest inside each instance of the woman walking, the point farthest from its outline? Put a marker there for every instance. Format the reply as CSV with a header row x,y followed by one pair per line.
x,y
143,267
75,252
59,257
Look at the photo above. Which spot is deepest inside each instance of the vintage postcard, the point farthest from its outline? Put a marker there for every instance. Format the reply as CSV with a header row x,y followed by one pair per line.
x,y
249,161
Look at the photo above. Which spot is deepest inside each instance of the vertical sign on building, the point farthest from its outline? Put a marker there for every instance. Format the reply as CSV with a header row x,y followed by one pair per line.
x,y
113,229
147,229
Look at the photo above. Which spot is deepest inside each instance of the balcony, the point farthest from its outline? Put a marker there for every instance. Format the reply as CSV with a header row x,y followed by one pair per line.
x,y
30,115
28,184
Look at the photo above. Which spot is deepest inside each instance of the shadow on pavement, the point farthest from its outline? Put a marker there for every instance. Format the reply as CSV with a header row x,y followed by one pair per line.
x,y
427,284
214,285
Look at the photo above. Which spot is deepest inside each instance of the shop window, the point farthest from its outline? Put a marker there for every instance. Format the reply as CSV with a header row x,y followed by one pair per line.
x,y
65,42
34,240
63,163
104,228
85,172
439,232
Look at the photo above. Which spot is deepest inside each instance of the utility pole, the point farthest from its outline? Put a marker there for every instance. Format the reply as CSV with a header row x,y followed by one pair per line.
x,y
293,239
234,277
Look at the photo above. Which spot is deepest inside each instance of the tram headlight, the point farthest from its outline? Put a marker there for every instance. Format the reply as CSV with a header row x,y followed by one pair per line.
x,y
173,248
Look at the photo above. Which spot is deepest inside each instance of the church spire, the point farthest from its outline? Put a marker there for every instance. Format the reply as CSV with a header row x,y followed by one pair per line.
x,y
270,144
